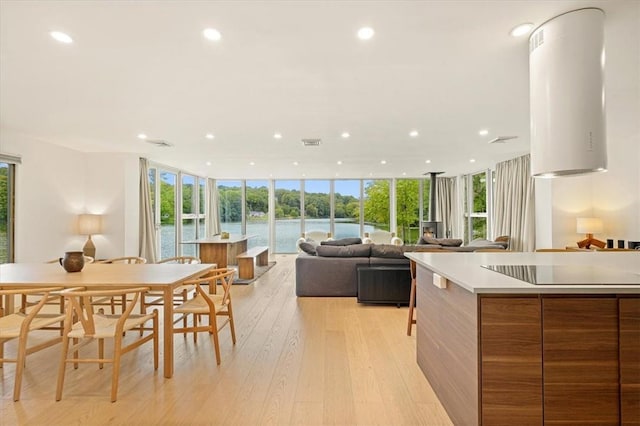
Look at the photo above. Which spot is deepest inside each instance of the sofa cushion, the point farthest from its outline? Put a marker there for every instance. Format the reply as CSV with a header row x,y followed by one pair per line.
x,y
342,242
354,250
308,247
387,251
445,242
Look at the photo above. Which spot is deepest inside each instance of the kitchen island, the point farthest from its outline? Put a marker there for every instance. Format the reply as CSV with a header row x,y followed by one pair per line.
x,y
540,338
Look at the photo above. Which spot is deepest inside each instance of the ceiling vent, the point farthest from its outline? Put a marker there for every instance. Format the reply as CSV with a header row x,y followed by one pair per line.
x,y
311,142
502,139
160,142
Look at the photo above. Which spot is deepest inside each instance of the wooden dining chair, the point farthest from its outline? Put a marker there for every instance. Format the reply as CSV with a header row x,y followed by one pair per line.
x,y
19,325
210,305
180,294
92,325
131,260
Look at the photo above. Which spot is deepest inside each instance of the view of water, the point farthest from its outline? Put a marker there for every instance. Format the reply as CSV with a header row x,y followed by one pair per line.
x,y
287,233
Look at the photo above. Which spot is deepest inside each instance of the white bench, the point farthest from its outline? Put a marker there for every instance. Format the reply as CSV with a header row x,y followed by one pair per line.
x,y
248,260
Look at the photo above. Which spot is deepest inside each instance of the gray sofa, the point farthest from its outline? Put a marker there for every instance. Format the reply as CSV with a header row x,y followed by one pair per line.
x,y
330,269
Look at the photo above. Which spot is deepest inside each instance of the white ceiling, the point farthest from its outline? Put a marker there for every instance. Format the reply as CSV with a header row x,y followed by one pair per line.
x,y
444,68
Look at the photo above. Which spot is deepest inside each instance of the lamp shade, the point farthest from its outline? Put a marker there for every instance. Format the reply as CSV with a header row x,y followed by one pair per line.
x,y
89,224
589,225
567,96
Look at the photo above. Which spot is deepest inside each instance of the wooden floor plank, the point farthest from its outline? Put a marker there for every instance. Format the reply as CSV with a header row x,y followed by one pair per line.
x,y
298,361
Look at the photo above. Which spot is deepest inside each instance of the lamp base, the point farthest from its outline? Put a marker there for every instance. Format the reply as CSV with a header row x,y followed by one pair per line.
x,y
89,248
590,241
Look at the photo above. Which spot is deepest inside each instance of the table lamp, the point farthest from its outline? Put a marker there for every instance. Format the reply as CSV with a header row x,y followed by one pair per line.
x,y
89,224
589,226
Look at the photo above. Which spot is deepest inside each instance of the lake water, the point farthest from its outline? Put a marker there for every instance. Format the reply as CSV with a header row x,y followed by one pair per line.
x,y
287,233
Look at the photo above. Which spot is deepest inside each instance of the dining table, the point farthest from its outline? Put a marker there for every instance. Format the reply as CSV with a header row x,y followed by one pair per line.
x,y
158,277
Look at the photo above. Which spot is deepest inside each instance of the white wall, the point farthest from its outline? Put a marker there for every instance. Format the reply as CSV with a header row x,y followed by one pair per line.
x,y
613,196
55,184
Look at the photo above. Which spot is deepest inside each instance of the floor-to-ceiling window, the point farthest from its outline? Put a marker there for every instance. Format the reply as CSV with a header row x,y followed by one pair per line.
x,y
287,215
347,208
7,180
377,206
178,205
168,235
230,208
475,205
190,196
202,190
408,209
317,205
257,212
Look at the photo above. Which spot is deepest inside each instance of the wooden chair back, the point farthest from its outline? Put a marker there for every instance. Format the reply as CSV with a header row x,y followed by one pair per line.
x,y
180,259
125,259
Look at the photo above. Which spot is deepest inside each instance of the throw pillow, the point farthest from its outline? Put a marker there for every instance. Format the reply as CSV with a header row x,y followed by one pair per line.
x,y
308,248
389,251
354,250
342,242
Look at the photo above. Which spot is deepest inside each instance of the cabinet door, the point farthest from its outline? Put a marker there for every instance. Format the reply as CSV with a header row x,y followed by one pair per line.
x,y
630,361
580,351
511,366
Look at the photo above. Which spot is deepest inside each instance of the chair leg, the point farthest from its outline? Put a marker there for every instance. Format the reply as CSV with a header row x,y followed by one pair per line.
x,y
155,340
412,302
117,352
63,365
231,324
101,352
20,361
213,329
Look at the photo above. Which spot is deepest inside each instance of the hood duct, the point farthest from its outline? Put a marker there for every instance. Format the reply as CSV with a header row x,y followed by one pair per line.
x,y
567,97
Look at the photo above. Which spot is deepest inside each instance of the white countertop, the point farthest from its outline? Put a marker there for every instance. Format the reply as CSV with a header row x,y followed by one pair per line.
x,y
465,270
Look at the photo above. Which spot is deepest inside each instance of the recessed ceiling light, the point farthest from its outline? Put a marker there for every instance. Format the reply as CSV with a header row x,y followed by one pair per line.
x,y
142,136
295,163
483,132
277,135
383,161
61,37
473,160
212,34
252,163
521,29
345,135
339,162
427,161
208,163
304,174
365,33
404,173
413,133
209,136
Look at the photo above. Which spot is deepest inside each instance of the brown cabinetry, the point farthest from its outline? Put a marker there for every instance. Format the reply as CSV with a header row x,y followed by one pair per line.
x,y
629,316
511,360
530,359
580,351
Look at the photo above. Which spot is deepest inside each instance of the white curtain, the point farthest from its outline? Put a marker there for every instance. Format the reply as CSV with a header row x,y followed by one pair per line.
x,y
213,219
147,243
514,206
447,209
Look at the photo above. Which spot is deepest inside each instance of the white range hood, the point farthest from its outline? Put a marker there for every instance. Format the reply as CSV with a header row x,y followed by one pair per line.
x,y
566,69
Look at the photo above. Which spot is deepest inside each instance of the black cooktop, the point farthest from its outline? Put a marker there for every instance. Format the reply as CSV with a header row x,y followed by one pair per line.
x,y
567,274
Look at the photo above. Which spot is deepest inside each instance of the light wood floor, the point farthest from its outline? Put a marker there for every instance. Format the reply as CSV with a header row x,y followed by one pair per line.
x,y
305,361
